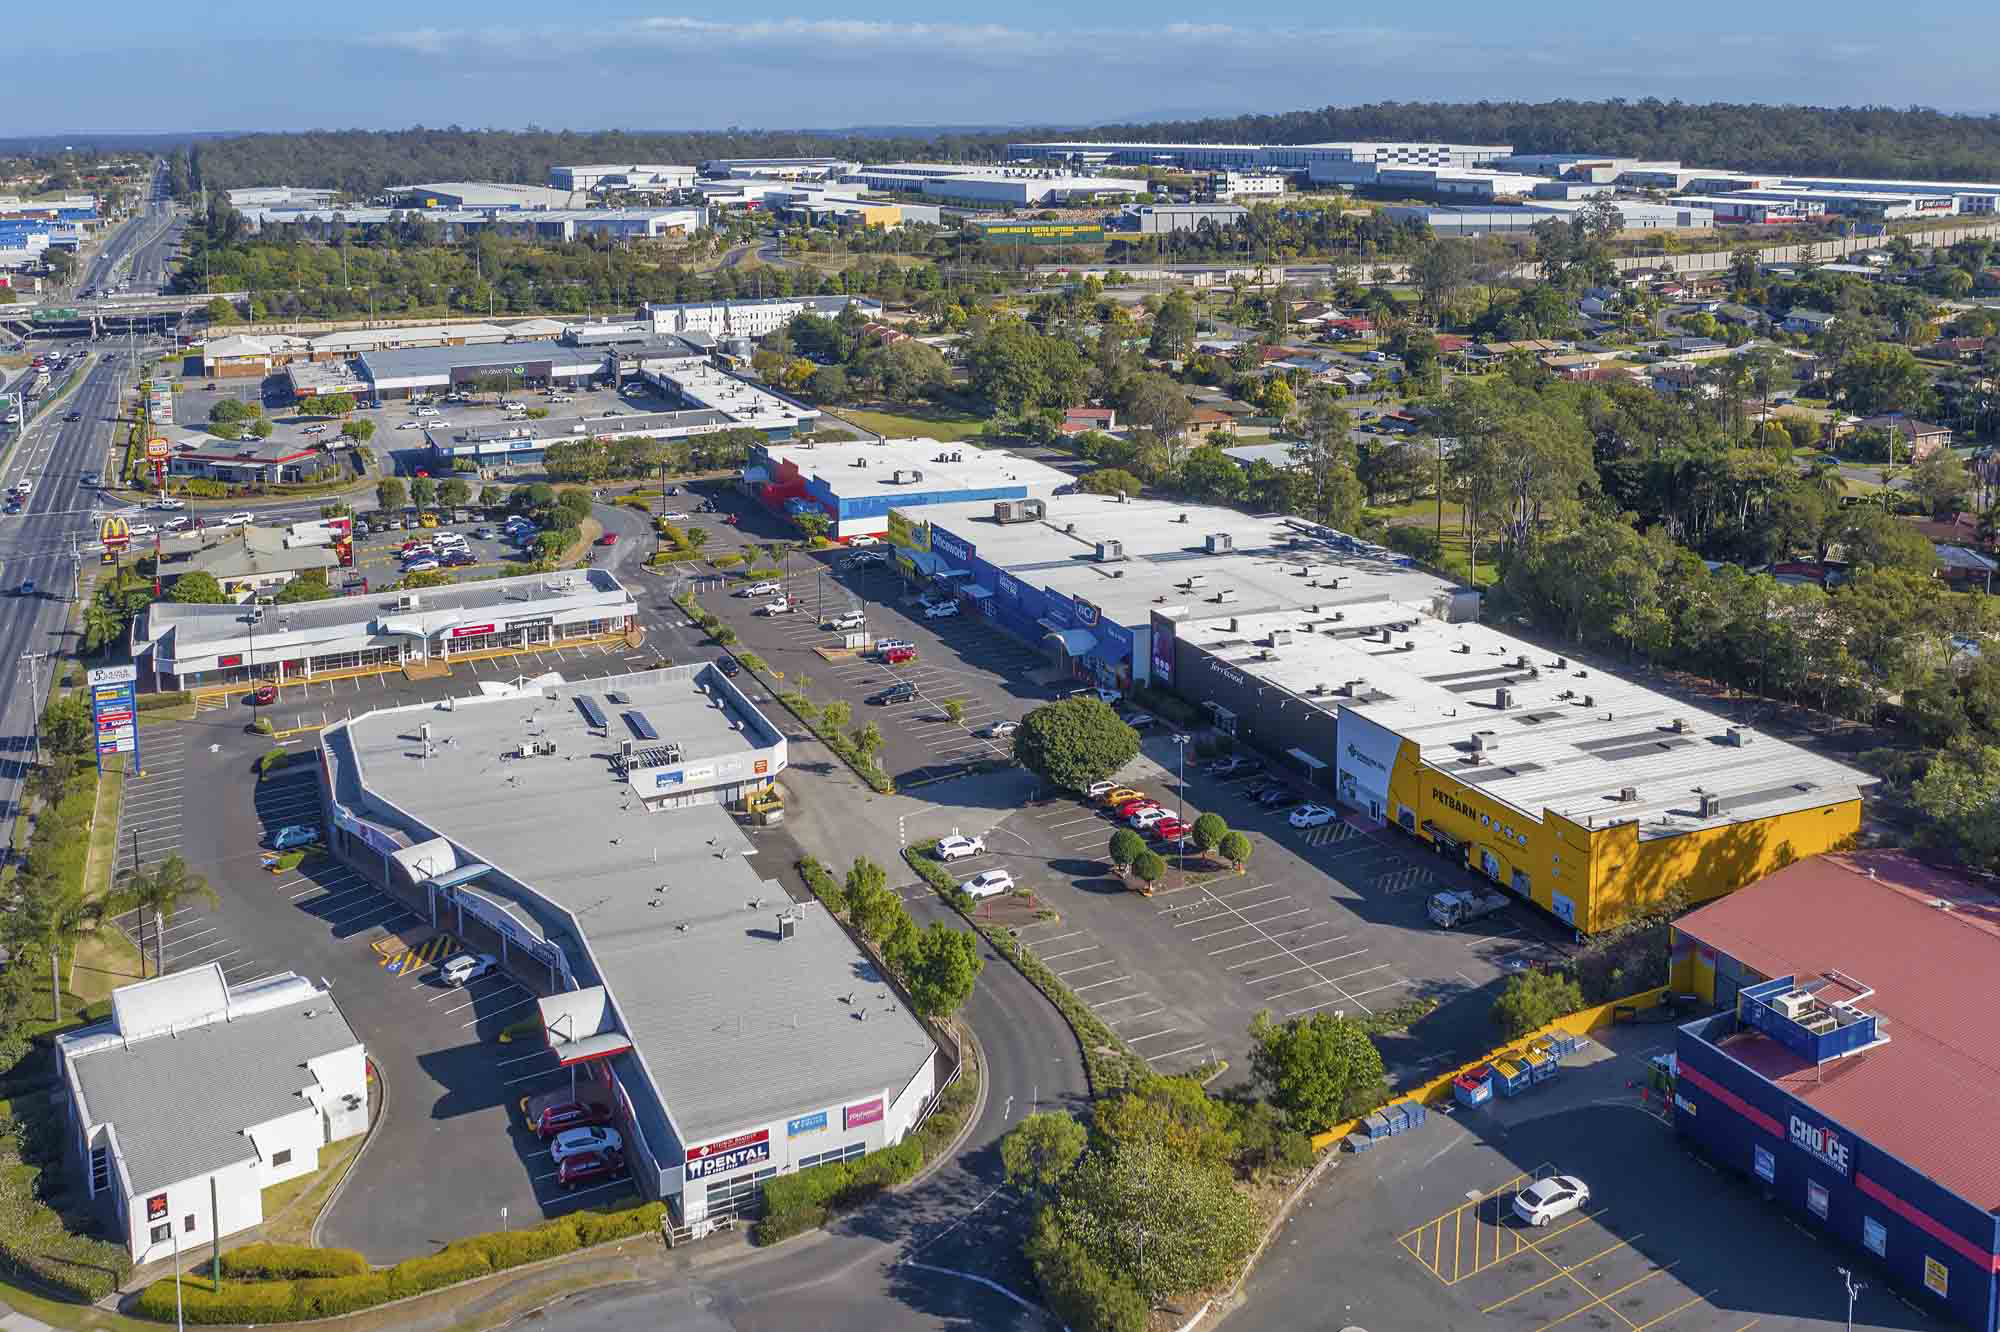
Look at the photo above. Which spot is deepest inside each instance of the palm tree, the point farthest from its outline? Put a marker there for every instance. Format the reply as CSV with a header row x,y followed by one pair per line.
x,y
102,624
161,891
59,916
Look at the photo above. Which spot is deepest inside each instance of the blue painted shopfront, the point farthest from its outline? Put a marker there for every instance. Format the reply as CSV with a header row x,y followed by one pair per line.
x,y
1032,613
1938,1250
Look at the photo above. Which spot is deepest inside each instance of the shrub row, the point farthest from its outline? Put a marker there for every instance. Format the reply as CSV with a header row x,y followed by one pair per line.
x,y
272,760
1110,1064
303,1297
292,1260
824,886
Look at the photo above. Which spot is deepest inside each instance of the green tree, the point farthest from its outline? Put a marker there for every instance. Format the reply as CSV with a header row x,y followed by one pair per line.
x,y
1172,337
1210,475
868,740
197,587
1175,1113
1880,378
1167,1224
1079,1291
1941,479
66,727
1126,846
360,430
871,904
454,494
260,428
1959,793
159,892
1148,868
1318,1069
1532,1000
1040,1151
1074,743
1109,481
828,384
423,492
836,715
220,311
939,966
305,588
1234,848
390,495
1209,830
574,505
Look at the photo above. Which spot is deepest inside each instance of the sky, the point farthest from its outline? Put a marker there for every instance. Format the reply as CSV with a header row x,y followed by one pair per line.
x,y
133,66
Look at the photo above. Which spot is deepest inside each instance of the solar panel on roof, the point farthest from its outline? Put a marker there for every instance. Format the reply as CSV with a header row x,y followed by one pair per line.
x,y
593,715
640,726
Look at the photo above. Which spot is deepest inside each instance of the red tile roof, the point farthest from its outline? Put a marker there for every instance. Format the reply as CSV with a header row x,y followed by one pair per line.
x,y
1931,1096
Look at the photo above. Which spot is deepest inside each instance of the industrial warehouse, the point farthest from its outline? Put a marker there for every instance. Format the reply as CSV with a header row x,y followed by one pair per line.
x,y
856,484
192,645
1850,1073
583,827
1591,796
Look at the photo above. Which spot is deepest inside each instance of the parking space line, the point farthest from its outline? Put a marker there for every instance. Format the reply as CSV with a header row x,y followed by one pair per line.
x,y
1601,1299
1325,961
1036,943
1163,1031
1098,985
1185,1049
475,998
1134,1017
1697,1299
1560,1273
1088,966
1122,999
479,1018
1087,948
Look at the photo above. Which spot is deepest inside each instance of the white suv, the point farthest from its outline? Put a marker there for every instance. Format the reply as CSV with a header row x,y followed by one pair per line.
x,y
940,610
990,884
959,848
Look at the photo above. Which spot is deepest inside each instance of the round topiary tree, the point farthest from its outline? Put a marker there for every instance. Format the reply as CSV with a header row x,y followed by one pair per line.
x,y
1074,743
1209,830
1126,847
1235,849
1149,868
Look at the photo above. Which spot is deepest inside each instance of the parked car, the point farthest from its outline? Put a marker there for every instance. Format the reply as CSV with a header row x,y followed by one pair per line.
x,y
1170,828
1144,819
1118,795
1546,1199
459,559
422,564
468,967
1311,816
294,834
579,1141
990,884
765,589
1229,766
865,557
851,620
566,1115
958,848
999,730
941,610
728,666
1099,790
1139,721
1124,808
895,693
589,1168
1278,797
864,541
782,606
898,655
891,644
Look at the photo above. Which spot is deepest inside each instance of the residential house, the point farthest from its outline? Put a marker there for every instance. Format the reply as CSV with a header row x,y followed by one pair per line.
x,y
1078,419
1918,439
1731,313
1807,321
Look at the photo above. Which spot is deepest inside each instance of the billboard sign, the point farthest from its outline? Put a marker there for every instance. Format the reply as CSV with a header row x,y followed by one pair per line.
x,y
864,1112
471,630
114,532
1823,1144
719,1158
805,1125
1163,649
114,711
910,535
157,449
951,547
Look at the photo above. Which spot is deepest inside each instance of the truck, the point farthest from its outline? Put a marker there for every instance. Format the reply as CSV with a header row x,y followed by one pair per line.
x,y
1454,907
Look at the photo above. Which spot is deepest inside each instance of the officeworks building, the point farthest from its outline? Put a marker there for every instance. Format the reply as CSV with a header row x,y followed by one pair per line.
x,y
1082,576
1851,1072
1587,795
577,832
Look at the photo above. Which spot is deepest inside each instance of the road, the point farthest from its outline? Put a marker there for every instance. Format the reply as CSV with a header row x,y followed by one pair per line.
x,y
36,544
146,237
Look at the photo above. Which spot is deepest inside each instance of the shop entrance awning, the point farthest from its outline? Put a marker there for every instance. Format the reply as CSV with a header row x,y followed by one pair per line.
x,y
977,593
579,1027
1307,759
463,874
1076,642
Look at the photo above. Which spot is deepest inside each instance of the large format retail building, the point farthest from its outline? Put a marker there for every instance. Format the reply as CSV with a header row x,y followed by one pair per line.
x,y
735,1033
1854,1072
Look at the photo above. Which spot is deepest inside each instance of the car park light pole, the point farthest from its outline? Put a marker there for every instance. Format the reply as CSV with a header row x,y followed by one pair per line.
x,y
1180,816
1854,1289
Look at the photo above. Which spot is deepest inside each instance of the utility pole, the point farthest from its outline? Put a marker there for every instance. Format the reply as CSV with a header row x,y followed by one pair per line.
x,y
1180,811
1854,1289
34,696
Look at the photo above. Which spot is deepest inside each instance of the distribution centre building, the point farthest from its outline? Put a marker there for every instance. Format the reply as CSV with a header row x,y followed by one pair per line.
x,y
581,828
1590,796
1080,576
1851,1073
194,1096
189,646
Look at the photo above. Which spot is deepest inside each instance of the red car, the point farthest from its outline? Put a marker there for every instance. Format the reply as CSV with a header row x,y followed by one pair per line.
x,y
1168,830
265,695
1179,842
567,1115
1131,807
897,656
608,539
589,1168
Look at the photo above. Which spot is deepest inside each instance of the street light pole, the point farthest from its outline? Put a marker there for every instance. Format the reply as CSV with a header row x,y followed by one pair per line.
x,y
1854,1289
1180,813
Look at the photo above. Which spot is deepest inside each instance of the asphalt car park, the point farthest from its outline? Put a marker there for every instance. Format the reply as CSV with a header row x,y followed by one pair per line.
x,y
1324,919
1424,1229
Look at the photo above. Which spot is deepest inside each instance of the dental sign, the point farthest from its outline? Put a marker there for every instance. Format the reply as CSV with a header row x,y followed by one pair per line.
x,y
719,1158
1823,1143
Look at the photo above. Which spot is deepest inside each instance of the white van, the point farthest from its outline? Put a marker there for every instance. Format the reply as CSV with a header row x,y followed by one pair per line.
x,y
851,620
428,411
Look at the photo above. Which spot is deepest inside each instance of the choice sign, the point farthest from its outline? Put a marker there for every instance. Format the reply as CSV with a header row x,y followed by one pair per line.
x,y
719,1158
1823,1143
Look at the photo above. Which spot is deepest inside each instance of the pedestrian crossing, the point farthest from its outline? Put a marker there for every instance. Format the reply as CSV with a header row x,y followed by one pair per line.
x,y
401,962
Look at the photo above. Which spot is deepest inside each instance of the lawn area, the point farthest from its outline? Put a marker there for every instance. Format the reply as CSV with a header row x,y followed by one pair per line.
x,y
944,424
292,1208
1424,513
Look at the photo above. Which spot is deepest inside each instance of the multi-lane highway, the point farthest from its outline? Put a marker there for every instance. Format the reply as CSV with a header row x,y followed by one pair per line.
x,y
147,239
37,546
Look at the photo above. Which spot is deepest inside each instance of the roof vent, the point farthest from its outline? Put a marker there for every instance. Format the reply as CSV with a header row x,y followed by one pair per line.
x,y
1738,736
1281,637
1219,543
1680,726
1503,699
1628,795
1711,804
1463,649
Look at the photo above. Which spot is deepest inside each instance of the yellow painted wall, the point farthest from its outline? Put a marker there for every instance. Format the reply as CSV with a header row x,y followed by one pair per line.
x,y
1607,874
881,215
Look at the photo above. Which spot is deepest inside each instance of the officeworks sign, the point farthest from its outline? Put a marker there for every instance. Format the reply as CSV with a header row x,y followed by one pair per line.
x,y
950,547
1826,1144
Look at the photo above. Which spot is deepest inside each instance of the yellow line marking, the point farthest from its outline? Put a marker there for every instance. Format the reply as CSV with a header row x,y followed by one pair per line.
x,y
1560,1273
1600,1300
1457,1225
1536,1245
1676,1309
1747,1326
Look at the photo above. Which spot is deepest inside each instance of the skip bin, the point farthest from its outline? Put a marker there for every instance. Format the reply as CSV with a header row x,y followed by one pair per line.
x,y
1512,1075
1398,1117
1473,1088
1359,1142
1377,1125
1417,1113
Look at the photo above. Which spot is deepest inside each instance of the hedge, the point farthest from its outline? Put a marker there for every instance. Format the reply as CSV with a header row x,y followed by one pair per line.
x,y
272,760
314,1296
292,1260
797,1202
171,698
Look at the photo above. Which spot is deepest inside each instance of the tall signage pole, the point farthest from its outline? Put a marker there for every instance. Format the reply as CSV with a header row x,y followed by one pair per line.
x,y
114,713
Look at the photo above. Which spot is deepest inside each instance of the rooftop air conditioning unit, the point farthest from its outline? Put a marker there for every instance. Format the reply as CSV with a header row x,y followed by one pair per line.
x,y
1219,543
1463,649
1711,804
1738,736
1521,660
1503,699
1484,743
1281,637
1407,645
1267,655
1628,795
406,601
1681,726
1226,594
1794,1004
1195,580
1561,662
1108,551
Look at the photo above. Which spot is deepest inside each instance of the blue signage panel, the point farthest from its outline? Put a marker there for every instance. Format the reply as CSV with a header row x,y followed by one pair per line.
x,y
805,1124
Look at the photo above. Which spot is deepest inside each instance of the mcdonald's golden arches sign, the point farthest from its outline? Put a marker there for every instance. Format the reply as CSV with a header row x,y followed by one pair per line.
x,y
115,532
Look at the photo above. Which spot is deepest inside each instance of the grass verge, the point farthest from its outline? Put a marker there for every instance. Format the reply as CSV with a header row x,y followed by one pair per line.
x,y
944,424
1110,1065
292,1209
